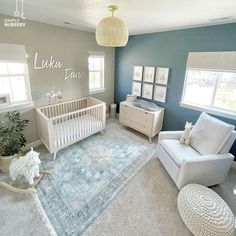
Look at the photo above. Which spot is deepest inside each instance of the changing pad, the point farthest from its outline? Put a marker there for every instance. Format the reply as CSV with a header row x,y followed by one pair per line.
x,y
149,106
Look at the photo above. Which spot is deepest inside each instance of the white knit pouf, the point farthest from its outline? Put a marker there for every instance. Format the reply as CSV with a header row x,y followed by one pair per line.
x,y
204,212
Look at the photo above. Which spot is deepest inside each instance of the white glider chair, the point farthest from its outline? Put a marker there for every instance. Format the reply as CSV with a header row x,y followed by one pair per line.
x,y
206,160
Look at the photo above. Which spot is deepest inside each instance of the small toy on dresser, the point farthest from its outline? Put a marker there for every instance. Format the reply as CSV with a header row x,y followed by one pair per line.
x,y
185,137
130,98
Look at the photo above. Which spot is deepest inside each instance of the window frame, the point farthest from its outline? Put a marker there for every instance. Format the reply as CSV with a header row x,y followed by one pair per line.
x,y
28,103
209,109
102,71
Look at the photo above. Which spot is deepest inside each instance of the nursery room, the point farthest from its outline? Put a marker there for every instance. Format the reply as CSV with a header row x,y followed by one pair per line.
x,y
117,118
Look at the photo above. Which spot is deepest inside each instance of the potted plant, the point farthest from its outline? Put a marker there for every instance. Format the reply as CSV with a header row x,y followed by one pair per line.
x,y
11,138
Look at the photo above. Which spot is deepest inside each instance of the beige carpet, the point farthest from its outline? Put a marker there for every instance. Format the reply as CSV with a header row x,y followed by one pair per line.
x,y
146,206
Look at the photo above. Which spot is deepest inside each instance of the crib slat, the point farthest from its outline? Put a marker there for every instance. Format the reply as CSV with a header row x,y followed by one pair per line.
x,y
61,132
89,121
83,130
84,126
97,116
71,128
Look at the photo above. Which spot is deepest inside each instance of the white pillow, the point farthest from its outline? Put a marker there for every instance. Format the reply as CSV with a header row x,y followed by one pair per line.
x,y
209,134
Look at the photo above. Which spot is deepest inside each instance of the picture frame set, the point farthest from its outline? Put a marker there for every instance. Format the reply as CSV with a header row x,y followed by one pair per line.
x,y
150,82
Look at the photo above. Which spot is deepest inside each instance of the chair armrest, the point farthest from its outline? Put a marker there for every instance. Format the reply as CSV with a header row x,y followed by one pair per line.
x,y
168,135
207,170
209,158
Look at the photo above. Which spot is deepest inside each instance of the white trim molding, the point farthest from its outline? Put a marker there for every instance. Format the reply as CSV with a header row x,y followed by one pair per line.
x,y
33,144
17,107
210,110
93,91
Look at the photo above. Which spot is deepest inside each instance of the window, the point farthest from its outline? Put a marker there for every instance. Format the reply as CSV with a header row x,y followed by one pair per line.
x,y
14,81
208,89
96,72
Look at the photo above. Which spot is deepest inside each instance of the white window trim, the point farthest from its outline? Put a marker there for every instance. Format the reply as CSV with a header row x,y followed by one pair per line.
x,y
23,104
17,107
100,90
210,110
98,55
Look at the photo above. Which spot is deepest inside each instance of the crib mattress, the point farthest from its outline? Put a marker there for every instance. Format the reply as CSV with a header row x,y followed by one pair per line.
x,y
70,130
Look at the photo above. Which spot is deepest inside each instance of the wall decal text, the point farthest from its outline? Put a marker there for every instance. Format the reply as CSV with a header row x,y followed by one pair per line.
x,y
71,74
51,63
47,63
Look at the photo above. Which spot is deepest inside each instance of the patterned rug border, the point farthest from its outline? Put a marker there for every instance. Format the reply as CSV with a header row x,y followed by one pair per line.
x,y
97,205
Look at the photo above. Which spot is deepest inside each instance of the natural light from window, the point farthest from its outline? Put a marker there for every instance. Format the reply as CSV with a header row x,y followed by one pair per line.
x,y
210,89
96,73
14,81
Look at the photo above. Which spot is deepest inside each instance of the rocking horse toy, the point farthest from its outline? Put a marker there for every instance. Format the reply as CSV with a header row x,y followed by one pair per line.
x,y
27,167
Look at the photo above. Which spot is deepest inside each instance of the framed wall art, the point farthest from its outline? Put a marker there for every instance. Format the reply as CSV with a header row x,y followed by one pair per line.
x,y
147,91
136,88
149,73
160,93
162,75
138,73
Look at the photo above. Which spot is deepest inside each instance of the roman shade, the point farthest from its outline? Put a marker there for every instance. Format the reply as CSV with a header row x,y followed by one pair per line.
x,y
12,53
96,54
212,60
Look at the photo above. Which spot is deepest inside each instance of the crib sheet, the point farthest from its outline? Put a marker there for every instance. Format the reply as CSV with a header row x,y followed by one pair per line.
x,y
76,128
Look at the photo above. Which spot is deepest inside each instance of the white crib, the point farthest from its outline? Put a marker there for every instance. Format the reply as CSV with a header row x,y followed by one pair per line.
x,y
65,123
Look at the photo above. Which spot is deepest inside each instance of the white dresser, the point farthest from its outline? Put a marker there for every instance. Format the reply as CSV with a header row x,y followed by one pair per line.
x,y
146,122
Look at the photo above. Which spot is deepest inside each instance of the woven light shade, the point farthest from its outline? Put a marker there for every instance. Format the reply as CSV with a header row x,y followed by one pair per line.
x,y
112,31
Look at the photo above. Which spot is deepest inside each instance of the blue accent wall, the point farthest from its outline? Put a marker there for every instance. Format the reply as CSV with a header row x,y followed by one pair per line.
x,y
170,49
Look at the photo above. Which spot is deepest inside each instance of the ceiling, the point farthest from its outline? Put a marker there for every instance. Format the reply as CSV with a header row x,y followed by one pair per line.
x,y
140,16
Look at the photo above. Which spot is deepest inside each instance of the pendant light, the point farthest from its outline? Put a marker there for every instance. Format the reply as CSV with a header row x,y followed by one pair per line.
x,y
112,31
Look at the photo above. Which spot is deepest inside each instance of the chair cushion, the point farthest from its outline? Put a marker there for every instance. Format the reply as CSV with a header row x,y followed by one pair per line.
x,y
209,134
228,144
177,151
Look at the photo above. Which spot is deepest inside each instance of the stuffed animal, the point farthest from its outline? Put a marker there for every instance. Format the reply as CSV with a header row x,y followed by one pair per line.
x,y
185,137
27,166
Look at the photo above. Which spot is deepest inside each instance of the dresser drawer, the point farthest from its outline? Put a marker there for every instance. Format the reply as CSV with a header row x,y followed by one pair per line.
x,y
139,116
140,127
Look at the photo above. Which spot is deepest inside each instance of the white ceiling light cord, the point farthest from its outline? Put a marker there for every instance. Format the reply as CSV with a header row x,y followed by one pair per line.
x,y
22,10
16,13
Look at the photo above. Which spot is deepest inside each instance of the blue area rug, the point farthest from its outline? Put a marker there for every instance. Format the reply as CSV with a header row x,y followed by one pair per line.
x,y
88,175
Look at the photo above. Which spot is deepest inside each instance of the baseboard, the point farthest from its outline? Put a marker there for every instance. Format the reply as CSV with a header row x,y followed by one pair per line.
x,y
33,144
108,115
233,167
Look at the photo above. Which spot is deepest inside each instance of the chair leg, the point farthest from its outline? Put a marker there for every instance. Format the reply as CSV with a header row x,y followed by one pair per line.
x,y
150,139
